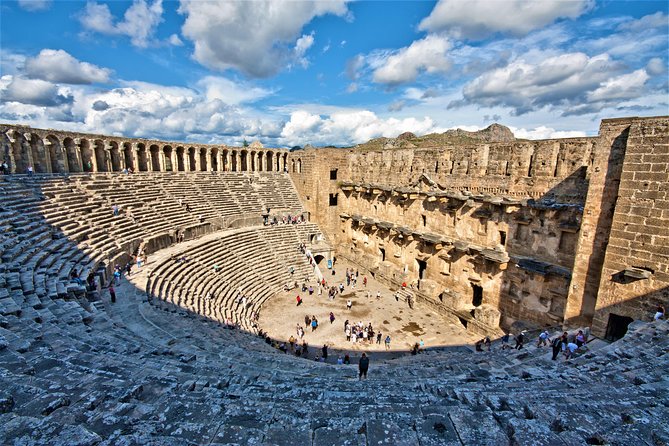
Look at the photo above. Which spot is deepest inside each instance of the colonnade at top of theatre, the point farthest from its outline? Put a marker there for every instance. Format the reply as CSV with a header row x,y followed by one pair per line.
x,y
54,152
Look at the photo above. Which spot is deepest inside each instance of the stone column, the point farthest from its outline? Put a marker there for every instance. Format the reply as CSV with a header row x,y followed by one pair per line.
x,y
47,155
198,165
207,158
27,147
134,148
108,157
175,160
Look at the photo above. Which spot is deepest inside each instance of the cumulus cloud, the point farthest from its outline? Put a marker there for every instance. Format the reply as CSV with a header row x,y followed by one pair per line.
x,y
257,38
35,5
425,55
656,66
32,92
60,67
567,81
477,19
347,127
140,21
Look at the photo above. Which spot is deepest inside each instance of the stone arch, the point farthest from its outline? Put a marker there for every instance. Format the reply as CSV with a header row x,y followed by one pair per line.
x,y
233,165
213,159
72,155
203,159
115,155
100,155
167,153
142,158
254,161
260,161
154,152
284,162
191,159
225,167
56,155
299,165
86,155
127,155
293,167
180,159
39,154
244,161
270,161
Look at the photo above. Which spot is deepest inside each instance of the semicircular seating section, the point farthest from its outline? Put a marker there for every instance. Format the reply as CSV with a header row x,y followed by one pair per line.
x,y
228,278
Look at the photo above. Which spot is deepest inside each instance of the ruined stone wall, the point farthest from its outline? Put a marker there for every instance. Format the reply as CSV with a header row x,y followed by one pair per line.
x,y
51,151
635,272
534,169
495,233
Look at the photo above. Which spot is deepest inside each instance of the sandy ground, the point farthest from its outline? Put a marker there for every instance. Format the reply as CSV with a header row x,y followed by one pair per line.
x,y
280,316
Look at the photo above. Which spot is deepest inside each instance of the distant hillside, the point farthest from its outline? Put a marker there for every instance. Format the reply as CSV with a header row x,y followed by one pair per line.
x,y
407,140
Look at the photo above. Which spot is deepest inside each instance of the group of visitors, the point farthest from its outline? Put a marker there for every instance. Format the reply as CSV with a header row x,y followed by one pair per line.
x,y
565,343
273,220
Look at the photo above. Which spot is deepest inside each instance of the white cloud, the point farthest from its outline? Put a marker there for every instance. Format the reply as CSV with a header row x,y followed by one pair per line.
x,y
254,37
347,127
232,93
626,86
140,21
32,92
543,132
98,18
476,19
573,82
60,67
301,46
656,20
35,5
175,40
425,55
656,66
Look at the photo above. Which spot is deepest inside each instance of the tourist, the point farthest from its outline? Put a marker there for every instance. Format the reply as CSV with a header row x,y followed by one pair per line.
x,y
387,341
363,366
314,324
486,343
558,345
349,304
379,335
378,295
659,313
115,210
332,317
347,359
325,352
543,339
30,171
112,293
347,331
397,296
340,360
505,341
569,351
520,340
299,300
479,345
580,339
364,281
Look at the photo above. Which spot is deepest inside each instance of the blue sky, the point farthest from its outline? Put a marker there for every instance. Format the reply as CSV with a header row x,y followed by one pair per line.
x,y
330,72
